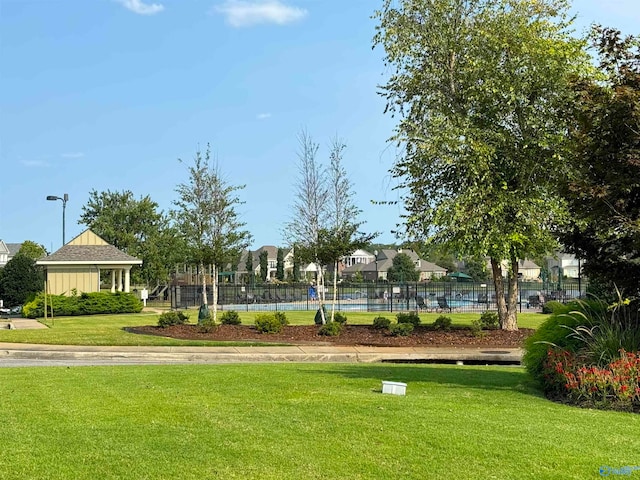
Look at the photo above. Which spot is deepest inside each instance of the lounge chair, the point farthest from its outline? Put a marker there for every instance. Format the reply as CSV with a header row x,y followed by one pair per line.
x,y
443,305
421,304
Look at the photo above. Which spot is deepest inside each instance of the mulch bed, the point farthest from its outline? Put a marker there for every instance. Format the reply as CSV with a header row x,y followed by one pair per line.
x,y
351,335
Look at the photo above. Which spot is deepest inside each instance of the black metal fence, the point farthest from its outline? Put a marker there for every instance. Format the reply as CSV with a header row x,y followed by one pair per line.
x,y
390,297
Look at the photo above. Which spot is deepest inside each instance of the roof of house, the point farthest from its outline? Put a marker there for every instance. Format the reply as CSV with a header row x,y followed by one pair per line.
x,y
13,248
89,249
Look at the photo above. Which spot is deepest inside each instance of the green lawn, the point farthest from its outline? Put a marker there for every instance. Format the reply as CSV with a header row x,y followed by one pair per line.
x,y
300,421
108,329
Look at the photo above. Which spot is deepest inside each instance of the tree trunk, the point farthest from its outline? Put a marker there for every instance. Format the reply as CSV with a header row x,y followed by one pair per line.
x,y
214,283
321,292
511,320
203,278
335,290
496,269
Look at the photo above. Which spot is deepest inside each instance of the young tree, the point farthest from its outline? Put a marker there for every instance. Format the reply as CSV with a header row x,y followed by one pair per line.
x,y
478,86
264,265
249,267
309,209
603,190
342,236
207,217
403,269
280,265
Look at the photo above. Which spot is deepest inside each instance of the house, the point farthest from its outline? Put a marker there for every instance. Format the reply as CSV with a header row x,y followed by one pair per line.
x,y
527,269
79,265
383,260
564,265
4,254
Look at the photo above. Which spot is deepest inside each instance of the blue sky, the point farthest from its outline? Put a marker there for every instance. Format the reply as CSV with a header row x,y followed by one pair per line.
x,y
109,94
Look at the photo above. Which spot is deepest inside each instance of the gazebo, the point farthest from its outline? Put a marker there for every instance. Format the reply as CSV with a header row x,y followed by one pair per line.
x,y
78,264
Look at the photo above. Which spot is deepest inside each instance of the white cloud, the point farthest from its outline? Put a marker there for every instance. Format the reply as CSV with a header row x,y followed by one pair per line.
x,y
243,13
137,6
262,116
34,163
72,155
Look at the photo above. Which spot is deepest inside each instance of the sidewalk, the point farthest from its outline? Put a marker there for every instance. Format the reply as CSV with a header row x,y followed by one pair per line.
x,y
297,353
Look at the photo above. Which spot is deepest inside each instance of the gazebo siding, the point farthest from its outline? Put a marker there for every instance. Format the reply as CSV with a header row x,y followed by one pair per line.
x,y
77,265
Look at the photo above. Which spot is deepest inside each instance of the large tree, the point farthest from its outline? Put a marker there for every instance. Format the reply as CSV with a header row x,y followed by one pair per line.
x,y
603,189
208,219
137,227
31,249
402,269
478,86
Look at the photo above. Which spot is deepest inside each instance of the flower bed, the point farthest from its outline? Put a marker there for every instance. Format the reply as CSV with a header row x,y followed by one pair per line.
x,y
614,386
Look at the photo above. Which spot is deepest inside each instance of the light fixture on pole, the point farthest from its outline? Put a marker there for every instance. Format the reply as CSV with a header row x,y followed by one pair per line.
x,y
64,199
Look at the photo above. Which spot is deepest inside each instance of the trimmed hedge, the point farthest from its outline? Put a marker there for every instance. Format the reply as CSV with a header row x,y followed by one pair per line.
x,y
84,304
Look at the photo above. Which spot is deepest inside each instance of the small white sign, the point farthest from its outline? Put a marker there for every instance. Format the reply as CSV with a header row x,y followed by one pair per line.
x,y
144,294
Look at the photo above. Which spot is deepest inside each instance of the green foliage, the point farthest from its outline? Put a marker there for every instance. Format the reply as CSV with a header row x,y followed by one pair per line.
x,y
381,323
20,279
479,90
173,317
340,318
263,259
317,319
207,217
408,317
280,265
282,318
230,317
442,323
268,323
553,306
476,328
603,188
207,325
331,329
32,250
403,269
489,320
138,228
556,332
401,329
85,304
249,266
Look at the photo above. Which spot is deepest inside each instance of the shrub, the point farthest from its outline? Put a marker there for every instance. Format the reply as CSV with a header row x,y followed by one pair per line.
x,y
268,323
442,323
168,319
230,317
381,323
84,304
556,331
476,328
401,329
282,318
553,306
340,318
207,325
331,329
408,317
489,320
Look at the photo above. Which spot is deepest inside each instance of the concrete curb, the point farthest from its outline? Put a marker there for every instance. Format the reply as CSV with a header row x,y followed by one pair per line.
x,y
316,354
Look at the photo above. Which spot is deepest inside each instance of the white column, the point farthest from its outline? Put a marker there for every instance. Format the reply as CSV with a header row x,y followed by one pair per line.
x,y
127,280
120,280
113,281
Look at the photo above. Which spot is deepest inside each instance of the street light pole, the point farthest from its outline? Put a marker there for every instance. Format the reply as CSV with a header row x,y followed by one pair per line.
x,y
64,199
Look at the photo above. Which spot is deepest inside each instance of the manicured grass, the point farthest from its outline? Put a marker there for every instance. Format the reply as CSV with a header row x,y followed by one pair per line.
x,y
108,329
300,421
